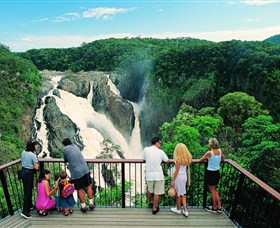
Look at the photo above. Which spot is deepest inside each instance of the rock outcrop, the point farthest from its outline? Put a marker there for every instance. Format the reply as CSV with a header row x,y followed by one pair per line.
x,y
59,126
119,111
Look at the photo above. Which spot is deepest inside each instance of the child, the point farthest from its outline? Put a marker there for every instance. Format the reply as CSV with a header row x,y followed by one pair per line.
x,y
66,203
57,195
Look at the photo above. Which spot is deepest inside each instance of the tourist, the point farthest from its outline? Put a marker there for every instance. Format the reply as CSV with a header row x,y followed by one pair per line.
x,y
80,173
212,176
44,202
29,163
182,158
67,202
154,174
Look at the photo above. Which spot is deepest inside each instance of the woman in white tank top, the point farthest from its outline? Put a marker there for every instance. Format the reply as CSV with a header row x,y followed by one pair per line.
x,y
212,176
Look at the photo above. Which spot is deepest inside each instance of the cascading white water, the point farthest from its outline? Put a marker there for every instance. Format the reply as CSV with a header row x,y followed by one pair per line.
x,y
90,123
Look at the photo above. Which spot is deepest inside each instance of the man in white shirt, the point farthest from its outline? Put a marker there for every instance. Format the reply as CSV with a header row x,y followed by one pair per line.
x,y
154,174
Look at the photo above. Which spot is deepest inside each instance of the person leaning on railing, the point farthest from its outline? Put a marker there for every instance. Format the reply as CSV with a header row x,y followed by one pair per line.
x,y
80,173
29,163
153,156
212,176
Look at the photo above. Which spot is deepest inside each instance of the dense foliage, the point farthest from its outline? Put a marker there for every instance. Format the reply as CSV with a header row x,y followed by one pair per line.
x,y
193,71
224,85
20,81
255,147
274,39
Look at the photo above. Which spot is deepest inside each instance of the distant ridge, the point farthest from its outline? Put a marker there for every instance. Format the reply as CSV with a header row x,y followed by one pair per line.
x,y
274,39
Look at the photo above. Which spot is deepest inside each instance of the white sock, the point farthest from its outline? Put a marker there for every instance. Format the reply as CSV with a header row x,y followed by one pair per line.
x,y
83,205
90,201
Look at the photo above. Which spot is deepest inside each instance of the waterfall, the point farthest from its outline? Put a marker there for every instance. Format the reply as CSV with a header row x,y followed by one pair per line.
x,y
94,127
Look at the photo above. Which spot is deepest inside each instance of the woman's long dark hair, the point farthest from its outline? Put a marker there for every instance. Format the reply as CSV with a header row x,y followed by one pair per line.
x,y
42,175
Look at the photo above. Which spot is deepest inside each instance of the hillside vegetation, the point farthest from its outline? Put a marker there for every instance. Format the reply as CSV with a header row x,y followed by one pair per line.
x,y
193,90
20,82
194,71
274,39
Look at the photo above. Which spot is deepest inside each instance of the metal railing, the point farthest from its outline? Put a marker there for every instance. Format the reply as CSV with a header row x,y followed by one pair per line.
x,y
247,201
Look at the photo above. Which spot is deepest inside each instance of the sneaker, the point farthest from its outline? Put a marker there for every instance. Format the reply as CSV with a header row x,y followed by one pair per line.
x,y
84,209
32,207
174,210
26,215
156,211
220,210
210,209
185,213
91,207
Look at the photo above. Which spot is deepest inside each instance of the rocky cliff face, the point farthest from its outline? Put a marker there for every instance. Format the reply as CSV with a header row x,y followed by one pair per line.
x,y
118,110
58,126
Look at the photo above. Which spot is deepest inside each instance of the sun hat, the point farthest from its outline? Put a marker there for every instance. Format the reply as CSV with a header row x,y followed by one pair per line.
x,y
171,191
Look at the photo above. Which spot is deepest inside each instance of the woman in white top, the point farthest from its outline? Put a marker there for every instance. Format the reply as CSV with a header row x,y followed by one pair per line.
x,y
212,176
182,158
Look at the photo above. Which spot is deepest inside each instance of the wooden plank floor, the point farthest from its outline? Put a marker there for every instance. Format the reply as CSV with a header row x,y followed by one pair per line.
x,y
120,217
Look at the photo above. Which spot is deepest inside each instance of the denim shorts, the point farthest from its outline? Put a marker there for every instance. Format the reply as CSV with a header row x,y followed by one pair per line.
x,y
67,202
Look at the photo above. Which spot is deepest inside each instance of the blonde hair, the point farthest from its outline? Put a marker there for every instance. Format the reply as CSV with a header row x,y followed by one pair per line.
x,y
213,143
182,154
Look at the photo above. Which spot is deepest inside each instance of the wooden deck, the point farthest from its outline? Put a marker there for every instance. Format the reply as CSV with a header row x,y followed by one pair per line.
x,y
120,217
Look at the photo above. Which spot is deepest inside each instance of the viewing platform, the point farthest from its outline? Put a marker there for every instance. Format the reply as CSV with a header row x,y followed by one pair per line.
x,y
120,198
121,217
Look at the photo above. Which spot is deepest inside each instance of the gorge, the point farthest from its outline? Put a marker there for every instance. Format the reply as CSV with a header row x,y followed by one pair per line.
x,y
87,108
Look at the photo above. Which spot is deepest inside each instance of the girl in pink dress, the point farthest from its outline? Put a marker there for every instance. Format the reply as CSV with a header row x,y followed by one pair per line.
x,y
44,201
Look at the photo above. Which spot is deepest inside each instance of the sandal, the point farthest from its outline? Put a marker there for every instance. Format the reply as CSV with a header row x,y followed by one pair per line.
x,y
71,211
42,213
155,211
59,210
91,207
84,209
66,213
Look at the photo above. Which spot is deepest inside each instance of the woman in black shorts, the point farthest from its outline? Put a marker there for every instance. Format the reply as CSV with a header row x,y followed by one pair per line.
x,y
212,176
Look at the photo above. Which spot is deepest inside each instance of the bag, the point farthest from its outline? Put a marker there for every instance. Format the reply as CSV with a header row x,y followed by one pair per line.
x,y
171,191
189,176
67,189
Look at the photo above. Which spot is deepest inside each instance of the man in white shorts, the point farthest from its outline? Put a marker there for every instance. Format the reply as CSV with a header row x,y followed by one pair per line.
x,y
154,174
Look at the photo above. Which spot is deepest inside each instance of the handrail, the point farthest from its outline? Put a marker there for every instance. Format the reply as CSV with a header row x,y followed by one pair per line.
x,y
7,165
262,184
266,187
238,188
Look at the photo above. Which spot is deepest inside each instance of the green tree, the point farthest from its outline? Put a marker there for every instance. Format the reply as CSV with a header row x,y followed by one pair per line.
x,y
260,153
190,129
235,108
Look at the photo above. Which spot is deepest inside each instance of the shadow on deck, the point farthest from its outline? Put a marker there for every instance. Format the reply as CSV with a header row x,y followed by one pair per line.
x,y
120,217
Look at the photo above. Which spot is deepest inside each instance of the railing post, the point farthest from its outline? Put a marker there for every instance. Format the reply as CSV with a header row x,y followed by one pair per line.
x,y
6,192
41,166
123,185
238,194
205,187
